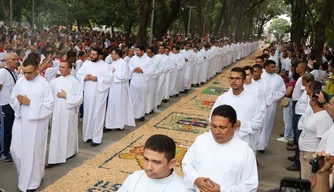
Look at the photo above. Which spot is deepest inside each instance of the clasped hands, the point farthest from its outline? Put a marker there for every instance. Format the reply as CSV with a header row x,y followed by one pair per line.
x,y
23,99
138,70
206,185
90,77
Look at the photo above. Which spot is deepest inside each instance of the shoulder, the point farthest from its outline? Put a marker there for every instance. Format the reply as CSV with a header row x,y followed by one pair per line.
x,y
178,184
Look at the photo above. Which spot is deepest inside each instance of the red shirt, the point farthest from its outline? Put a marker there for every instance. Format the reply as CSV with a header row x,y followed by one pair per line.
x,y
291,84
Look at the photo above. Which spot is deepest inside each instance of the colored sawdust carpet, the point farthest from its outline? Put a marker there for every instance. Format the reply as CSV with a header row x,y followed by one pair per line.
x,y
183,121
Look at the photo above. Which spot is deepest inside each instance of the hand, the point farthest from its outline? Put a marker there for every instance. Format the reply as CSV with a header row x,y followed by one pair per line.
x,y
328,163
138,70
23,99
93,78
113,70
215,186
87,77
186,60
203,184
62,94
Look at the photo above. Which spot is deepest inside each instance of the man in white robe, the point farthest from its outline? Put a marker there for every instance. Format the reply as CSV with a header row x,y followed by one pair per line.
x,y
275,91
189,57
154,81
119,110
245,104
258,92
68,96
180,62
158,173
205,65
170,76
141,73
32,102
97,77
229,165
198,62
164,78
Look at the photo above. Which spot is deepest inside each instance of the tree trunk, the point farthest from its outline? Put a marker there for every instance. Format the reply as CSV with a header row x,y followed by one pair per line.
x,y
320,28
298,20
144,9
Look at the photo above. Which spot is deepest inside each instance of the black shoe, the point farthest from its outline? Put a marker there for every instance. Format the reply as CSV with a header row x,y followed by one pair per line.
x,y
50,165
186,91
197,85
176,95
142,119
152,111
31,190
281,135
202,83
293,168
260,151
71,156
94,144
106,130
88,141
292,158
165,100
182,92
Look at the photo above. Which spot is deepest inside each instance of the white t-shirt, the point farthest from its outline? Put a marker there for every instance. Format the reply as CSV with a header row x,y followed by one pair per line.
x,y
302,104
7,82
327,141
316,126
298,90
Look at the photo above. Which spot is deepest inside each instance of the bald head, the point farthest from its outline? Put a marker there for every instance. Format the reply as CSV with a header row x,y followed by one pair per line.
x,y
12,61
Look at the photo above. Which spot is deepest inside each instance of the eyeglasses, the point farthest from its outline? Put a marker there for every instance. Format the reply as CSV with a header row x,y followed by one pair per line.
x,y
235,78
219,129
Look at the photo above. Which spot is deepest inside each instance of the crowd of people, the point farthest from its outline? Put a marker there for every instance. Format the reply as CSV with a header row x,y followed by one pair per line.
x,y
67,76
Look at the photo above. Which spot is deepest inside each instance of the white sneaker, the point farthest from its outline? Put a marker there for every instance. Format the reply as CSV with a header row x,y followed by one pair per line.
x,y
282,139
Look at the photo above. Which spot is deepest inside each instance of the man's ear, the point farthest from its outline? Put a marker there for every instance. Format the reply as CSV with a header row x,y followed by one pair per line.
x,y
172,163
237,125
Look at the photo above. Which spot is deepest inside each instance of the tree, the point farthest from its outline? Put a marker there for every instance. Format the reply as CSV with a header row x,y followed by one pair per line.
x,y
279,27
320,28
144,10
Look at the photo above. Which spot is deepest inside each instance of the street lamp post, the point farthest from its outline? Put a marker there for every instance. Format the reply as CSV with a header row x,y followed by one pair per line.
x,y
11,12
33,13
152,19
188,29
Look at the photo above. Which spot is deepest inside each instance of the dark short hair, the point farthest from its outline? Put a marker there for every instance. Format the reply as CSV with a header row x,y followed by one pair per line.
x,y
28,62
239,70
257,66
118,52
98,50
259,57
316,65
71,54
270,62
226,111
249,68
152,49
162,144
295,76
81,53
176,47
141,47
308,77
265,55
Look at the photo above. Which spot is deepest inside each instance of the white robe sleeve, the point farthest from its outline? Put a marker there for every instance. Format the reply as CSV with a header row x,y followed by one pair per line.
x,y
122,74
42,109
249,178
81,73
188,163
104,82
51,73
14,103
148,72
75,99
280,92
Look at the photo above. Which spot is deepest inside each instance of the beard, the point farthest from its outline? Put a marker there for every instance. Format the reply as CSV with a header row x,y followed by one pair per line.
x,y
94,59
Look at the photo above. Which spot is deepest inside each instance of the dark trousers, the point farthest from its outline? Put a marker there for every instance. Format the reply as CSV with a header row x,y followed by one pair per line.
x,y
295,120
8,125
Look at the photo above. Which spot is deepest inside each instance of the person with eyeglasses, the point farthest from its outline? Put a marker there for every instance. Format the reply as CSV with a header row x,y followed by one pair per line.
x,y
246,105
229,164
32,101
